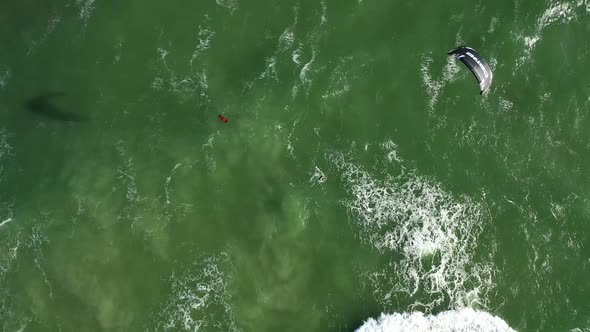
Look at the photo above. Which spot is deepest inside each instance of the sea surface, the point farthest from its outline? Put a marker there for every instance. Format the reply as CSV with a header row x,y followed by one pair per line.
x,y
361,182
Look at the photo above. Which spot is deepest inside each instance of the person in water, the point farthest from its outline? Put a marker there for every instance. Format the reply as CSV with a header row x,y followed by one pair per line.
x,y
222,118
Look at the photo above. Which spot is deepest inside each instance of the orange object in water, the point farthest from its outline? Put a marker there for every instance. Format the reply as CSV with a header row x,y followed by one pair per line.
x,y
222,118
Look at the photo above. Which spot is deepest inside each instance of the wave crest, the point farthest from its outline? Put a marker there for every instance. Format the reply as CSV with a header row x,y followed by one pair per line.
x,y
465,320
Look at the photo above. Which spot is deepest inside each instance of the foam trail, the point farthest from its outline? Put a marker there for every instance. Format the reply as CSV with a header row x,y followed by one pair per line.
x,y
317,176
450,71
464,320
5,222
433,87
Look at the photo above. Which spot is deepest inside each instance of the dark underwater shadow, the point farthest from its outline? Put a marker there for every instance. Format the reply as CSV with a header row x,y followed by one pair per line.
x,y
45,105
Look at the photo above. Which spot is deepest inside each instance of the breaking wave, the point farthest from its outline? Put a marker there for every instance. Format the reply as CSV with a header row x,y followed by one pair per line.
x,y
465,320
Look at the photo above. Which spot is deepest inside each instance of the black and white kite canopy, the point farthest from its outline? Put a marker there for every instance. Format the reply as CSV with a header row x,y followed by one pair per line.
x,y
478,66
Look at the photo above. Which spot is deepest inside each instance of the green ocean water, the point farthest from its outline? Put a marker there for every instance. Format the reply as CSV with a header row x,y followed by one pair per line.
x,y
127,205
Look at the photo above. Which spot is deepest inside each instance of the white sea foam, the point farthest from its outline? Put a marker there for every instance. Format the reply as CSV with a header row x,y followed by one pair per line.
x,y
556,13
4,77
208,152
8,254
340,79
231,5
118,49
270,70
287,38
317,176
304,74
5,150
168,180
51,25
450,72
199,299
305,79
285,43
505,104
86,8
296,56
303,54
205,37
434,234
493,24
9,246
324,17
300,52
37,241
184,86
464,320
433,87
126,173
2,223
187,80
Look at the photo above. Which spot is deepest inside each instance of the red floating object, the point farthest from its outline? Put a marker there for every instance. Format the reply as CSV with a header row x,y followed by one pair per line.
x,y
222,118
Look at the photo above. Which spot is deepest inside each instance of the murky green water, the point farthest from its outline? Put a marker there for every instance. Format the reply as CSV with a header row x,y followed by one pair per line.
x,y
127,205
